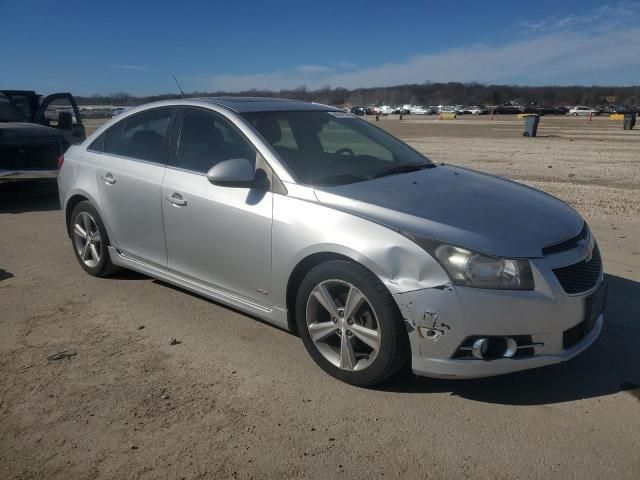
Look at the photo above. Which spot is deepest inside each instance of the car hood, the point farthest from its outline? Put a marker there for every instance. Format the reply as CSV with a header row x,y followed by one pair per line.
x,y
14,133
455,205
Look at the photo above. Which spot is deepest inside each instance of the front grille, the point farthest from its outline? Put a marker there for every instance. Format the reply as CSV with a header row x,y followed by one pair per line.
x,y
581,276
567,244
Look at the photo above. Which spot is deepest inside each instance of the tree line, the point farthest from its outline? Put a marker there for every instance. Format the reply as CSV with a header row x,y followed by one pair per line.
x,y
452,93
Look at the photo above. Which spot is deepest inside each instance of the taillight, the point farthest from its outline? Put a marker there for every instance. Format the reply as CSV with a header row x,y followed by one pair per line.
x,y
60,161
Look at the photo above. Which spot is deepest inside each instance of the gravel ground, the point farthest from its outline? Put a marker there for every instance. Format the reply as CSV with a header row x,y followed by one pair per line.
x,y
240,399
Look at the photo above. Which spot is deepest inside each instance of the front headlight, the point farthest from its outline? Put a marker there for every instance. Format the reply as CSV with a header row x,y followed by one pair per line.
x,y
471,269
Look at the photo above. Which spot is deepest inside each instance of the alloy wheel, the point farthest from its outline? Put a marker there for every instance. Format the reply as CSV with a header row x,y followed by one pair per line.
x,y
86,237
343,325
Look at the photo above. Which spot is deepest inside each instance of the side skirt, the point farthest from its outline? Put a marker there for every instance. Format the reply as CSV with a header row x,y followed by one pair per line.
x,y
273,315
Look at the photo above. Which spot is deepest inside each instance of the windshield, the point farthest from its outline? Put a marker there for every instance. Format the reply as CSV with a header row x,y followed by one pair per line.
x,y
8,113
334,148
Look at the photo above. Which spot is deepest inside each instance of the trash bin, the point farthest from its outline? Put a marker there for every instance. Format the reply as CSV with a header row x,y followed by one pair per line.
x,y
531,125
629,121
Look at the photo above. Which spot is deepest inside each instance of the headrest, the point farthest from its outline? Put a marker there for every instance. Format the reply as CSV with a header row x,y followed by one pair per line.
x,y
269,128
200,130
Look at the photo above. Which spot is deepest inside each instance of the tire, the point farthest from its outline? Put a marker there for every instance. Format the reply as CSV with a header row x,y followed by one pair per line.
x,y
377,312
96,259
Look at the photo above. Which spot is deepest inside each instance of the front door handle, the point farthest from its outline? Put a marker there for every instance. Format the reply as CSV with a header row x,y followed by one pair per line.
x,y
109,178
177,199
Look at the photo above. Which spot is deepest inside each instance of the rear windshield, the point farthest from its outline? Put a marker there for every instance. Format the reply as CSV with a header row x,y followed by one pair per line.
x,y
8,113
334,148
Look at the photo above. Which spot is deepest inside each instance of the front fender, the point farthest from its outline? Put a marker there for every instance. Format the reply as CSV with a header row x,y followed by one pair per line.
x,y
302,228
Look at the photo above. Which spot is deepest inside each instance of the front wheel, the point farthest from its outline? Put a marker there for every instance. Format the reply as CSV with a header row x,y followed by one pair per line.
x,y
350,324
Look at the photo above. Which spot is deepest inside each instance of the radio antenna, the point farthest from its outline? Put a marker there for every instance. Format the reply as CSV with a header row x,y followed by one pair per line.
x,y
179,87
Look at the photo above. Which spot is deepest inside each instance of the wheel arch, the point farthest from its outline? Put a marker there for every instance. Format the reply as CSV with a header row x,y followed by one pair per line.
x,y
73,199
71,204
298,273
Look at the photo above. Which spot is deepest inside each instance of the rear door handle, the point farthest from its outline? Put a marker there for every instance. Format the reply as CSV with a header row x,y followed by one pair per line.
x,y
177,199
109,178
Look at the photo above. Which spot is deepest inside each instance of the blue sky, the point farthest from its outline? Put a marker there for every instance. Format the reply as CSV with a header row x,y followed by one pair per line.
x,y
90,47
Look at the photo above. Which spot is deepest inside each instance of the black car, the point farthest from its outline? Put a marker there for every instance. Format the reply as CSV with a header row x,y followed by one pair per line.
x,y
35,132
359,111
506,110
546,110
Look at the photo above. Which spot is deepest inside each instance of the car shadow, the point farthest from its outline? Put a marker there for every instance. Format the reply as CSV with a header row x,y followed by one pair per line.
x,y
29,196
610,365
125,274
223,305
4,275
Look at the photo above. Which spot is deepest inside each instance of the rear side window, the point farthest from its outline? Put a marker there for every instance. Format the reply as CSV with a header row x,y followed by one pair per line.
x,y
207,139
112,138
145,136
109,141
142,136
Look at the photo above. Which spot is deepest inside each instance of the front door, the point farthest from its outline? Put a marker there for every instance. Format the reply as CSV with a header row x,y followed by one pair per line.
x,y
220,236
59,110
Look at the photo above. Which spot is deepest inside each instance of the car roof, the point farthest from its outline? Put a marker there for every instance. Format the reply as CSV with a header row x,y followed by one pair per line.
x,y
263,104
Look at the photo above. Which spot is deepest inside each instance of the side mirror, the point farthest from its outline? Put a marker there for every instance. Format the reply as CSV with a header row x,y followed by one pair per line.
x,y
235,172
65,120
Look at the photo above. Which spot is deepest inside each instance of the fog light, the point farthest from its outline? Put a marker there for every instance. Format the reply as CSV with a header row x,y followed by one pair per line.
x,y
480,348
512,347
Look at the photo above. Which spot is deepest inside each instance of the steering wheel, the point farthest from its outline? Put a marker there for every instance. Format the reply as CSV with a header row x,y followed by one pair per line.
x,y
345,150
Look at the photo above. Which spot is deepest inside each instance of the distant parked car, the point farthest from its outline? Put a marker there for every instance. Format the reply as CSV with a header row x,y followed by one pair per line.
x,y
546,110
527,108
119,110
582,110
373,110
478,110
450,109
506,110
622,109
386,110
419,110
359,111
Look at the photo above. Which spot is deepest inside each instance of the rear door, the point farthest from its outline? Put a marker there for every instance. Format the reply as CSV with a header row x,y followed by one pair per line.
x,y
220,236
60,110
130,171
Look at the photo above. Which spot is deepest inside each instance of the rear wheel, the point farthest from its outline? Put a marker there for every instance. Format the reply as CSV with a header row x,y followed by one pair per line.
x,y
350,324
90,241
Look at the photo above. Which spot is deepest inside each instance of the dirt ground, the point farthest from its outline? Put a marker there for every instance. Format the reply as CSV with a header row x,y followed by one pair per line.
x,y
238,398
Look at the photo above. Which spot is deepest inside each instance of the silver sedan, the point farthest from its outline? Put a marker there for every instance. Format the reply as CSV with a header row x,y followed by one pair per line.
x,y
321,223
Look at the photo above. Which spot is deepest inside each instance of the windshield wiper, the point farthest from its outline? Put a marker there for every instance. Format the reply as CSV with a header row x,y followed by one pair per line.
x,y
339,179
413,167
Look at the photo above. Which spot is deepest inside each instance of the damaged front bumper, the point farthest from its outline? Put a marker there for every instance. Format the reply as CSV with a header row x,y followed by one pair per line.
x,y
443,323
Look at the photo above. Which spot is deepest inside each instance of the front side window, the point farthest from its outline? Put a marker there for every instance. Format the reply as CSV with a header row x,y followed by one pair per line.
x,y
207,139
334,148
